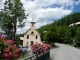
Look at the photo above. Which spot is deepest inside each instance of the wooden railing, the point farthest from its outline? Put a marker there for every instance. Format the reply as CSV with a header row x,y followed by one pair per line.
x,y
44,56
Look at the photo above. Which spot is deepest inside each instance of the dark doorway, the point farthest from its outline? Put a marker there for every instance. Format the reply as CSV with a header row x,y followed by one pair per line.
x,y
32,42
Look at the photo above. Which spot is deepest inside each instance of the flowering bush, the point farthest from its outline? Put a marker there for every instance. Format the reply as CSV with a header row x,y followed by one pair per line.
x,y
8,50
39,48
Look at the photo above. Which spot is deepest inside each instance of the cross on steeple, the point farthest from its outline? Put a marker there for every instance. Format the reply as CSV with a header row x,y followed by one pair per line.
x,y
33,18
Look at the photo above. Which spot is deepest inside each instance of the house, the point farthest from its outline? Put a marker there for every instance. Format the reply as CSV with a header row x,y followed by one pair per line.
x,y
77,23
31,36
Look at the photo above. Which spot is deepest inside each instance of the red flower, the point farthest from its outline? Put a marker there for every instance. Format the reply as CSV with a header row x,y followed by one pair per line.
x,y
6,55
16,50
10,51
14,45
15,55
39,48
9,41
7,50
10,54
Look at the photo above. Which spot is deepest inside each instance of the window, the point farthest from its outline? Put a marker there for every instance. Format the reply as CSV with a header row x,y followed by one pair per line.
x,y
32,32
27,36
36,36
27,43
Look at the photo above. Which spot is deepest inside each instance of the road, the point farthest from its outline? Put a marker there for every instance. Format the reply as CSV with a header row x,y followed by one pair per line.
x,y
64,52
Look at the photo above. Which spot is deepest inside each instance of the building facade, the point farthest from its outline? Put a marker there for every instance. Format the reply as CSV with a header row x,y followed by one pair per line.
x,y
31,36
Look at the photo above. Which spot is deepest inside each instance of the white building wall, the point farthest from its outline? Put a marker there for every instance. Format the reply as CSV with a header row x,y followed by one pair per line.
x,y
32,37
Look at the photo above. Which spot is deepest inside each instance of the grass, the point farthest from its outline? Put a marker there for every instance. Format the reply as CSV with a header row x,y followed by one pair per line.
x,y
78,47
73,46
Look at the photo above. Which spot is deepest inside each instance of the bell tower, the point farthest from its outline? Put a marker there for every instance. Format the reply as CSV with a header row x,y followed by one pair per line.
x,y
32,23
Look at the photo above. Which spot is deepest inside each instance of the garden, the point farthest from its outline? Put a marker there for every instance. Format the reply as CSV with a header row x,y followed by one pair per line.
x,y
9,50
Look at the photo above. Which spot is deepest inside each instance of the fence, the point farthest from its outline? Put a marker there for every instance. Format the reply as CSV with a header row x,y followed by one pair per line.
x,y
44,56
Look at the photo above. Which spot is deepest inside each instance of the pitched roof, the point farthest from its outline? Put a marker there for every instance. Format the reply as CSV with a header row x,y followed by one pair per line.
x,y
77,23
30,29
27,31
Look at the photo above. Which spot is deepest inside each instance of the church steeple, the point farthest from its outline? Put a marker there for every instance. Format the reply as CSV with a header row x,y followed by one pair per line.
x,y
32,23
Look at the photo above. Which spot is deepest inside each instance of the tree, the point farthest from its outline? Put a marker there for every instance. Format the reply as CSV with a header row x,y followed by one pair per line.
x,y
78,37
59,30
51,34
12,14
73,32
64,34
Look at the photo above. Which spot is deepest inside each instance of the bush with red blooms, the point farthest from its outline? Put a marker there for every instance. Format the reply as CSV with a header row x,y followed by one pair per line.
x,y
8,50
39,48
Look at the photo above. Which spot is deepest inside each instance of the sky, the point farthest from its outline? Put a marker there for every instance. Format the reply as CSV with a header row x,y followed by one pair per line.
x,y
47,11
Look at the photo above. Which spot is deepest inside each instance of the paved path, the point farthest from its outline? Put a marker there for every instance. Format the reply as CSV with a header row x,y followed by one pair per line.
x,y
64,52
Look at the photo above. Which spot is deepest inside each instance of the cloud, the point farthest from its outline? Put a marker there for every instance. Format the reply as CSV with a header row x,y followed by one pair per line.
x,y
77,2
46,11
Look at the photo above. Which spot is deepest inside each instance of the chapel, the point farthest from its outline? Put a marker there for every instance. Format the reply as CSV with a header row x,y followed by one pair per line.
x,y
31,36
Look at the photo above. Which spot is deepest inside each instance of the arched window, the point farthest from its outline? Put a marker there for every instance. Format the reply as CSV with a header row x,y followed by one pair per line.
x,y
36,36
27,36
